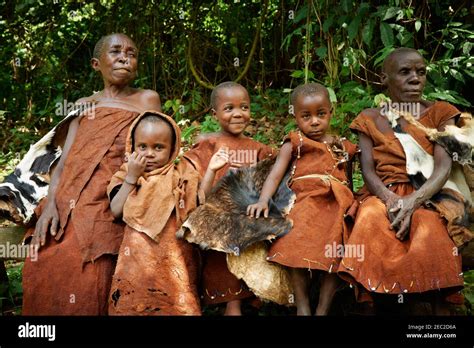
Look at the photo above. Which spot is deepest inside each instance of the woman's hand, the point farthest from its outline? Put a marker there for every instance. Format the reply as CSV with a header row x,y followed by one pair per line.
x,y
48,221
219,159
403,211
136,167
257,208
391,201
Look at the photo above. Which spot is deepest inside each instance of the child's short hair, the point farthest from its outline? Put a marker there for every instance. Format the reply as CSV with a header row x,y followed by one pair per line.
x,y
308,89
223,85
153,118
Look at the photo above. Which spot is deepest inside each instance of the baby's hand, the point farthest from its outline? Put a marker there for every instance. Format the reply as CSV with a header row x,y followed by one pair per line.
x,y
219,159
136,167
257,208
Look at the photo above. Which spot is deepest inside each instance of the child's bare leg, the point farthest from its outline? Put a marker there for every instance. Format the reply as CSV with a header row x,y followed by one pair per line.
x,y
299,280
233,308
329,284
439,305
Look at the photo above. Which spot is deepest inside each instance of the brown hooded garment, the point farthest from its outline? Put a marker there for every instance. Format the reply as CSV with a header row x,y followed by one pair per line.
x,y
72,274
156,273
322,199
219,285
427,259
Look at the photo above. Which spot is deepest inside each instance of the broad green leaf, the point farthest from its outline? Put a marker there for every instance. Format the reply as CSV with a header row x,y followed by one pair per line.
x,y
381,98
368,31
353,28
297,73
332,95
382,54
322,52
301,14
418,25
386,34
346,5
328,23
457,75
391,12
469,277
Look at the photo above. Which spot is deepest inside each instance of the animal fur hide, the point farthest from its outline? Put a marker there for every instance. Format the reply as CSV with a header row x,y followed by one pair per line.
x,y
22,190
457,141
455,206
222,223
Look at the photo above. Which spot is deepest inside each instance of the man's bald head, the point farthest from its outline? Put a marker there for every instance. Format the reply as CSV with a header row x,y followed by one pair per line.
x,y
395,54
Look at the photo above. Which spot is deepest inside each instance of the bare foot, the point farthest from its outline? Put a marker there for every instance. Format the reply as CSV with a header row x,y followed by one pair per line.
x,y
329,284
233,308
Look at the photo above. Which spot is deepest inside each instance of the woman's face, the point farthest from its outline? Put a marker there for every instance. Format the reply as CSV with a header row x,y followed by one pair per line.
x,y
118,61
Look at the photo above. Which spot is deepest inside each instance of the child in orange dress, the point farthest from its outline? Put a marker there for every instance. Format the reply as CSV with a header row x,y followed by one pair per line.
x,y
231,106
320,178
153,193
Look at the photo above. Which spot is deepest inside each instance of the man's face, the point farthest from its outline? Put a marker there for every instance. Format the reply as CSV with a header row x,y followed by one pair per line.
x,y
405,77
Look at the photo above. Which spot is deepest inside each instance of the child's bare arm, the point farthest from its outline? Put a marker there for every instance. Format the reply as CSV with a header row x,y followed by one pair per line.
x,y
271,183
136,167
218,160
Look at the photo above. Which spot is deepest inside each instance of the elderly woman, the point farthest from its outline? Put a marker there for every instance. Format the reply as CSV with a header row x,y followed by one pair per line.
x,y
407,248
76,231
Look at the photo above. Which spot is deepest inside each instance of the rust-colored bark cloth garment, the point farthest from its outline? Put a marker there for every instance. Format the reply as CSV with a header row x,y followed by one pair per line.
x,y
156,273
218,284
427,259
322,199
72,275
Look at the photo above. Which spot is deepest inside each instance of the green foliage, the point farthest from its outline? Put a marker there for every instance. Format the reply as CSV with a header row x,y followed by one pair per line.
x,y
209,125
11,295
468,290
47,46
46,49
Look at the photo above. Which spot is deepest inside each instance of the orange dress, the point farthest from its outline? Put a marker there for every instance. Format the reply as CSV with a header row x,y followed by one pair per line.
x,y
322,199
427,259
156,273
218,284
73,273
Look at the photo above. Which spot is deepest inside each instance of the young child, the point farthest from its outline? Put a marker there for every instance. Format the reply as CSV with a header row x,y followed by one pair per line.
x,y
319,166
156,273
230,104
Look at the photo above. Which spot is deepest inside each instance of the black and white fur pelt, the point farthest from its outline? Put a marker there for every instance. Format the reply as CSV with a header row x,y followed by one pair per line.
x,y
222,223
458,142
22,190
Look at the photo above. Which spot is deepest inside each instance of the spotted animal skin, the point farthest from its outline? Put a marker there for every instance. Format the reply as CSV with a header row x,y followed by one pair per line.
x,y
222,223
22,190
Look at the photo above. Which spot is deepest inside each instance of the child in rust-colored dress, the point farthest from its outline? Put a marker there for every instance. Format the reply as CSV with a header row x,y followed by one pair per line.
x,y
156,273
320,178
230,104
